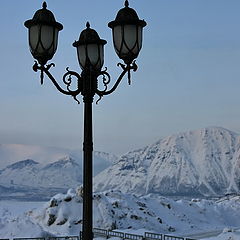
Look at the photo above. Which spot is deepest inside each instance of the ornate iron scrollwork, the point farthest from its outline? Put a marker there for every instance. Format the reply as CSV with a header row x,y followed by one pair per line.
x,y
126,69
68,79
133,66
106,79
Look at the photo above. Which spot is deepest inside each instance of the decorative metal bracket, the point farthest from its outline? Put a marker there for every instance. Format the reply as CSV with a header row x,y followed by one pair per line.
x,y
126,69
68,79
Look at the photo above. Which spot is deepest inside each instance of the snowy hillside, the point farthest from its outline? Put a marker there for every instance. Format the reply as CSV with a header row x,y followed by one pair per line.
x,y
50,171
63,173
62,216
204,162
29,179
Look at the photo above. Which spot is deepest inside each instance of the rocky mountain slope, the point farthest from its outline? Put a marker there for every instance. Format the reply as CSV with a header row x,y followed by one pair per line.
x,y
203,162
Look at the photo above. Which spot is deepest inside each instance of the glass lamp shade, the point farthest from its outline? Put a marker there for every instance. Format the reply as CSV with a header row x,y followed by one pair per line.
x,y
90,49
90,54
43,41
127,31
43,34
127,40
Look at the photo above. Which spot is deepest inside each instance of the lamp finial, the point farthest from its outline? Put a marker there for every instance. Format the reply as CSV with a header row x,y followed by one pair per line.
x,y
126,3
88,25
44,5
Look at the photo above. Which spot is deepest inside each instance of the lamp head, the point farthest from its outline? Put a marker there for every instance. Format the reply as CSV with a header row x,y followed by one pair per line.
x,y
90,49
43,34
127,33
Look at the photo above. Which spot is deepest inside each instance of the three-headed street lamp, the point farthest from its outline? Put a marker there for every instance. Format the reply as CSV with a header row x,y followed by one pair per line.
x,y
127,39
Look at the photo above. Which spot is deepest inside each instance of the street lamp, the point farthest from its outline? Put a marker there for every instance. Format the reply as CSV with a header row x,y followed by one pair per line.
x,y
127,39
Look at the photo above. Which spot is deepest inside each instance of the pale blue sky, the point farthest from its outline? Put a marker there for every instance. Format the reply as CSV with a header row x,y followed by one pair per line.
x,y
188,77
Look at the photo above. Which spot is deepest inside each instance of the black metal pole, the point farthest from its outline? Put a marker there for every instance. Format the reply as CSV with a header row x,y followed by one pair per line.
x,y
87,158
87,170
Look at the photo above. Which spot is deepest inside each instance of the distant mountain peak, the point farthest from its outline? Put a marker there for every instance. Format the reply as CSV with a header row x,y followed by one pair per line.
x,y
22,164
52,170
65,161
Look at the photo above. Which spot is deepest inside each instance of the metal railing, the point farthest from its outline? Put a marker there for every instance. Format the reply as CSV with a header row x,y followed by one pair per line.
x,y
153,236
133,236
49,238
40,238
126,236
168,237
116,234
98,232
63,238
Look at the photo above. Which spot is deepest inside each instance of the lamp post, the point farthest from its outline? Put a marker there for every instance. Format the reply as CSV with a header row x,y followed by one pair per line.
x,y
127,39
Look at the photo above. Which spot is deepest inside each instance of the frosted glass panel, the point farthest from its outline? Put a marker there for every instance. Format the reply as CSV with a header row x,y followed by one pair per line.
x,y
47,35
117,35
130,36
140,37
101,56
81,55
34,36
55,39
127,41
93,53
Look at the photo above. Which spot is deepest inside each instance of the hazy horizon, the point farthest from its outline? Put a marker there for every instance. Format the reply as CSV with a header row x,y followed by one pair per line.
x,y
188,76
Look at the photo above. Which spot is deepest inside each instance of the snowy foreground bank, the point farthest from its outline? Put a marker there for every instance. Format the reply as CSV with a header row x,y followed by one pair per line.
x,y
61,216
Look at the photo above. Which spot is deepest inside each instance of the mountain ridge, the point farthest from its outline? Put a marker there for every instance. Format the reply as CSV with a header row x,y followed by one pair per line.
x,y
54,172
201,162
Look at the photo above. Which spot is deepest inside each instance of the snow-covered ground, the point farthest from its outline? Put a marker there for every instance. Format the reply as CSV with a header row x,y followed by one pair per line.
x,y
15,220
217,219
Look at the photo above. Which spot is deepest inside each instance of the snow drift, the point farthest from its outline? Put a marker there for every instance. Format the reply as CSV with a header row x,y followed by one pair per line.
x,y
116,210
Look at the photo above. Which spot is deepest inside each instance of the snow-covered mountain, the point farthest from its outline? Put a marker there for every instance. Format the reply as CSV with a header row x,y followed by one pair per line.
x,y
63,173
11,153
50,171
202,162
